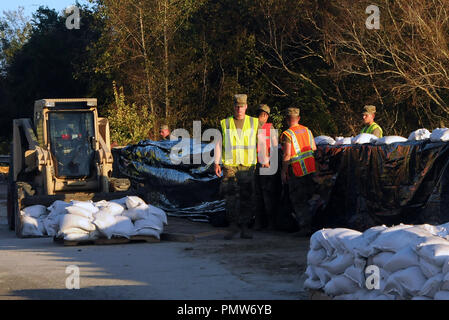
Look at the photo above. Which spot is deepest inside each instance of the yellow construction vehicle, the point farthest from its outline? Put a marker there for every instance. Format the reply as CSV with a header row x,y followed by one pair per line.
x,y
64,154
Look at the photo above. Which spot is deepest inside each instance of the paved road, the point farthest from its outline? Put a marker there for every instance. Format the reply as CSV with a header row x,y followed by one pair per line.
x,y
269,267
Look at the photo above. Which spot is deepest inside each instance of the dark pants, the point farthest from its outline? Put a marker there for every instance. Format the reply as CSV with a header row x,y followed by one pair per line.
x,y
237,187
301,191
267,189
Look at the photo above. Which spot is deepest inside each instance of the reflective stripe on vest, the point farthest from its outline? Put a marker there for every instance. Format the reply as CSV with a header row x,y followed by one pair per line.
x,y
302,160
240,146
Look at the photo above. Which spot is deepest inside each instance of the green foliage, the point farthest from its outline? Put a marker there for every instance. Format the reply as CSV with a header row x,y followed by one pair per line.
x,y
129,123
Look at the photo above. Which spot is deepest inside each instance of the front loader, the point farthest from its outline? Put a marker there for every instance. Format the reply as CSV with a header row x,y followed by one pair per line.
x,y
63,154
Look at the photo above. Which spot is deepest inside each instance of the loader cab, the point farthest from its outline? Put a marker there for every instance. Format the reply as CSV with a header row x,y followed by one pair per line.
x,y
68,129
70,136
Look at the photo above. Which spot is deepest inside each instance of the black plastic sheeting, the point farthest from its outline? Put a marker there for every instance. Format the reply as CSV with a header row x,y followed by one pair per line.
x,y
367,185
185,189
360,186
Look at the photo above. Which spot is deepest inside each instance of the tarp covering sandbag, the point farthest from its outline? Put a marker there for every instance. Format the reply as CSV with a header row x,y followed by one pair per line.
x,y
367,185
174,177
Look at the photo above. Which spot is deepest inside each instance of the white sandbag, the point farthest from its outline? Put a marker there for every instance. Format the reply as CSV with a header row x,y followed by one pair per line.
x,y
318,273
364,138
355,274
339,264
105,223
316,257
436,254
406,282
440,135
35,211
339,285
70,221
390,140
79,211
419,135
432,286
445,282
121,201
333,239
158,212
137,213
403,259
123,227
51,223
58,207
445,267
397,238
381,259
312,284
151,221
32,227
87,205
428,269
343,141
149,232
441,295
110,207
365,250
324,140
133,202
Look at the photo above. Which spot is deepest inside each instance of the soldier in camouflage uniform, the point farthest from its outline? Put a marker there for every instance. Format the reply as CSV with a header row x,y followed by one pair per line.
x,y
298,168
238,153
267,185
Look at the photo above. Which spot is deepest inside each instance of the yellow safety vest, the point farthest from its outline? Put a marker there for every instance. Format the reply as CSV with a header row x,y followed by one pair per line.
x,y
239,146
371,129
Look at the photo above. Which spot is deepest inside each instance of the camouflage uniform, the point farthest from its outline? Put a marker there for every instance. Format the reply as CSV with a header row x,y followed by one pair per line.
x,y
301,190
238,187
266,189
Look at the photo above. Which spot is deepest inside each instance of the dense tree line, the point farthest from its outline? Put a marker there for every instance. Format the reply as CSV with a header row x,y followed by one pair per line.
x,y
175,61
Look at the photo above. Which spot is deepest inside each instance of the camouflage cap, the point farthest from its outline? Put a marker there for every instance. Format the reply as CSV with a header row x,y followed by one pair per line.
x,y
293,112
163,127
240,99
369,109
264,107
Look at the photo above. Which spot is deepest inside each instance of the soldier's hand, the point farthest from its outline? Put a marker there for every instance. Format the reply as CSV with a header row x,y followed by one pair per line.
x,y
266,165
217,170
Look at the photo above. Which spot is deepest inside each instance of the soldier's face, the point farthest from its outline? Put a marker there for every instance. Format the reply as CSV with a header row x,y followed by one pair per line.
x,y
368,118
164,133
240,111
263,117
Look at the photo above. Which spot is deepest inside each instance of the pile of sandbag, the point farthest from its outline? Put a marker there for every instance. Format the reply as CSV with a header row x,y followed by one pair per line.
x,y
86,220
324,140
402,262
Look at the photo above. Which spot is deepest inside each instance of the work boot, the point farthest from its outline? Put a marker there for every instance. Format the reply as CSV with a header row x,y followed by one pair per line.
x,y
233,230
246,233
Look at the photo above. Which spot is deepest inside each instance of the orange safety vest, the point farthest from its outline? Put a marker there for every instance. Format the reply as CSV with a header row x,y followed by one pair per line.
x,y
267,137
302,159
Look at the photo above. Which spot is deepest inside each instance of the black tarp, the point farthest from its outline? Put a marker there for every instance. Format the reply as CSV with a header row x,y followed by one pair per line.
x,y
185,189
367,185
360,185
